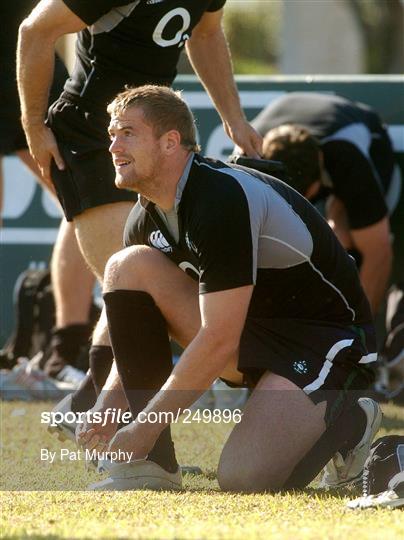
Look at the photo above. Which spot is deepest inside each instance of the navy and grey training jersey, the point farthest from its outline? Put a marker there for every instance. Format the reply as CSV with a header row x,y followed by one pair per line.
x,y
239,227
357,150
130,43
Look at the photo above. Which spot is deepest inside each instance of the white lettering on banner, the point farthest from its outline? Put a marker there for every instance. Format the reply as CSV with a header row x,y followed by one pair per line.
x,y
20,186
179,37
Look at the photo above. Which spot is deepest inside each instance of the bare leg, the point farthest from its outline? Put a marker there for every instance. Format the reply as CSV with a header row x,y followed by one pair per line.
x,y
99,233
279,426
72,281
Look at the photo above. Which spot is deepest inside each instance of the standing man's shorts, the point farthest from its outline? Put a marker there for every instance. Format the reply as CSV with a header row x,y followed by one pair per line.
x,y
328,362
89,177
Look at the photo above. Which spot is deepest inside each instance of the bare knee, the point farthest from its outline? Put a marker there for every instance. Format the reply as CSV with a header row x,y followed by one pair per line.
x,y
129,268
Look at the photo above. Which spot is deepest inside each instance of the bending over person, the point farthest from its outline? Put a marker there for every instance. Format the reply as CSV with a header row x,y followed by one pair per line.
x,y
342,149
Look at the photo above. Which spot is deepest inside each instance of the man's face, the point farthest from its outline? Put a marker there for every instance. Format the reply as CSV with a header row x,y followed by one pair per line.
x,y
135,150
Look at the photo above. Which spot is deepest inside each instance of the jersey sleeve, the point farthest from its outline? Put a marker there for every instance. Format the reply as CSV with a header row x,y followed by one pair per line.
x,y
90,11
132,235
355,183
222,237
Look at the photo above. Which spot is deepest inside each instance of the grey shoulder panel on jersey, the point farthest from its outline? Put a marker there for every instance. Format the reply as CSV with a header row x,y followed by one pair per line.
x,y
114,17
280,237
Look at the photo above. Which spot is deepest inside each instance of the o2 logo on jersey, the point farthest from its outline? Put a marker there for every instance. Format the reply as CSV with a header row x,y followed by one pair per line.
x,y
181,36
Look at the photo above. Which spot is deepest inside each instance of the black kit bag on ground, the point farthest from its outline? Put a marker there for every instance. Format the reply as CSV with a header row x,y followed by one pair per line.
x,y
35,319
385,462
383,475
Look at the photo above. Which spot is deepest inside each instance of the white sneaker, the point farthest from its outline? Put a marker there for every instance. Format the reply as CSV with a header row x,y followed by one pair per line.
x,y
70,374
64,430
140,474
339,471
25,383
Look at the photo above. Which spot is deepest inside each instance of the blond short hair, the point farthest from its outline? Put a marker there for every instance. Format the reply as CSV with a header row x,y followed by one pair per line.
x,y
163,109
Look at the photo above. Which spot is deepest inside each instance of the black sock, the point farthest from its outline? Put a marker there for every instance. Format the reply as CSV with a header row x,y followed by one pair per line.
x,y
84,397
142,353
343,434
66,347
100,359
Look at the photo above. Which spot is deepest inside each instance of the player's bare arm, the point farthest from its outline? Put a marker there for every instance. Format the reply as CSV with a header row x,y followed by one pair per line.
x,y
38,34
374,244
210,57
213,349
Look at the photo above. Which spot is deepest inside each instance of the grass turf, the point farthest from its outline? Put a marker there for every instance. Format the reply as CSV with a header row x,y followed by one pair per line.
x,y
33,504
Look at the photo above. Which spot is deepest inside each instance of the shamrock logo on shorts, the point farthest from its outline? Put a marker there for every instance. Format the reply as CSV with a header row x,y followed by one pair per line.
x,y
300,366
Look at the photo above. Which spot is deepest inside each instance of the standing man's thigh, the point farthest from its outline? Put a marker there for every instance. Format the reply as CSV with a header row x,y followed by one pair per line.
x,y
99,233
279,426
86,186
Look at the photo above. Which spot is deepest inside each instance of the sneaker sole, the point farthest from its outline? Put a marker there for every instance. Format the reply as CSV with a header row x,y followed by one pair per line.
x,y
61,434
367,439
131,484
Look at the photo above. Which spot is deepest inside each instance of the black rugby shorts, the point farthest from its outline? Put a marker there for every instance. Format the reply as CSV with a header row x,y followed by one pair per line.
x,y
328,362
89,177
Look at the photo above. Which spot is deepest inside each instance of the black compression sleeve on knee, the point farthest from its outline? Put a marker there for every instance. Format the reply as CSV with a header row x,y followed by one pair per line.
x,y
142,352
100,359
84,397
344,433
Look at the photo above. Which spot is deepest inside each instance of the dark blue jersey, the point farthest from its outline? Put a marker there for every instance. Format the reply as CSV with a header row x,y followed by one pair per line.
x,y
239,227
130,43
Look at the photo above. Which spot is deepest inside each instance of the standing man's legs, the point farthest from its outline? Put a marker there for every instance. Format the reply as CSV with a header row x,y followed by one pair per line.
x,y
73,284
99,233
72,280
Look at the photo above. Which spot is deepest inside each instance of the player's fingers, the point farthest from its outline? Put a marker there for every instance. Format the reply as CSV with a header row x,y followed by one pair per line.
x,y
85,435
93,442
60,164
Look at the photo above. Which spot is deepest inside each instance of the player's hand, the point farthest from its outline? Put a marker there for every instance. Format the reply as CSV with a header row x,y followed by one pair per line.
x,y
43,148
247,140
135,437
95,436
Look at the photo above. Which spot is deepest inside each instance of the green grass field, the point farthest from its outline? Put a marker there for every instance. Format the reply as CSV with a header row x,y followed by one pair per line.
x,y
48,501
